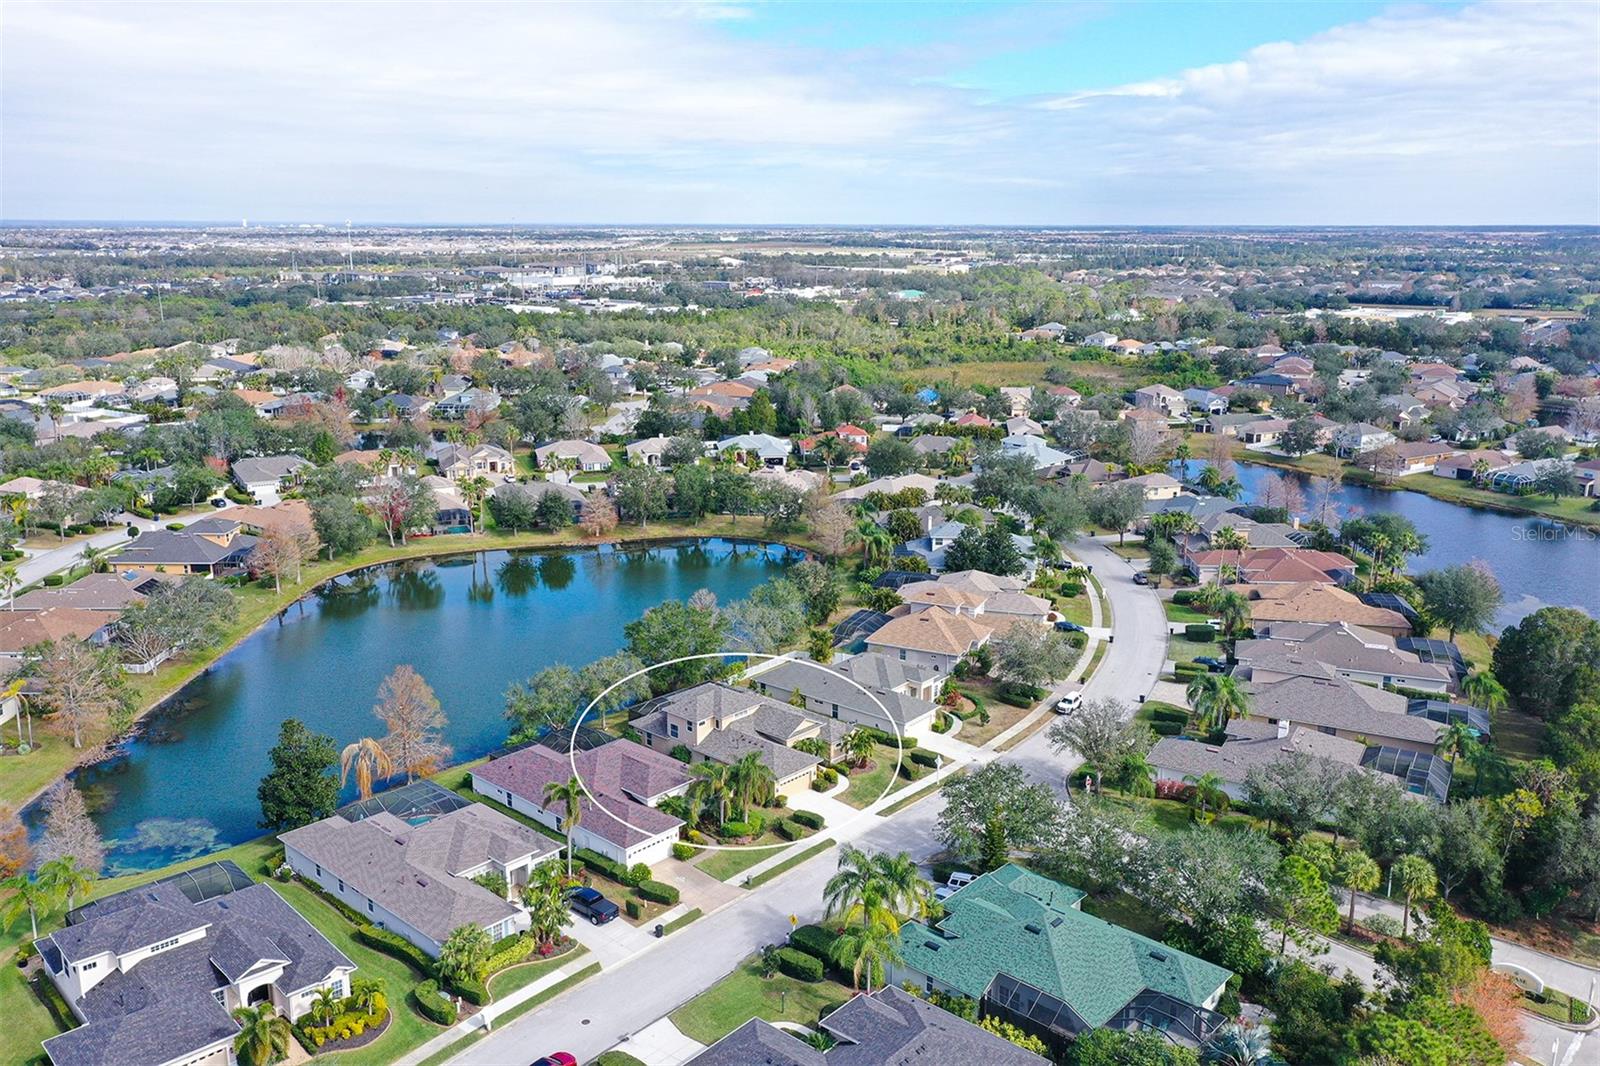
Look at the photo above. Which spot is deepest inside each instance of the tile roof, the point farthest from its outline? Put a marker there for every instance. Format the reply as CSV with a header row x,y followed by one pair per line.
x,y
622,775
1316,602
1018,923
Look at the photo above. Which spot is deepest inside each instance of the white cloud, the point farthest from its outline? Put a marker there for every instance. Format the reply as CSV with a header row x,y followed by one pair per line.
x,y
653,112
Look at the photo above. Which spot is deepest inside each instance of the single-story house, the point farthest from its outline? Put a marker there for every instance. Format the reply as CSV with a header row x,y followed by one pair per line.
x,y
629,780
933,444
763,448
417,880
1420,457
1315,601
462,462
538,490
154,976
831,696
1022,947
210,546
22,630
889,486
466,402
1270,566
1519,478
887,1026
1291,649
91,592
1588,474
1466,466
263,477
648,452
1044,457
1345,709
582,455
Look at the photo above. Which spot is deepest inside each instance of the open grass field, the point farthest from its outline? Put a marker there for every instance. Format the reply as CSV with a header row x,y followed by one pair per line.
x,y
745,994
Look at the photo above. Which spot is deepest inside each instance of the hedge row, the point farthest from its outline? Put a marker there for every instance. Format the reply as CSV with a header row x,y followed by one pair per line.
x,y
814,940
393,944
799,965
510,951
1183,597
809,818
883,737
634,908
1166,729
1169,714
656,892
924,757
595,862
471,990
788,830
435,1007
1199,632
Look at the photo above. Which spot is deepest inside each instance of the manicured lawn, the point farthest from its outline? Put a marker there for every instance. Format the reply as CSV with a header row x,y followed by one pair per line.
x,y
868,785
409,1029
788,864
1183,613
745,994
1556,1005
509,980
1518,735
728,865
27,1022
1180,649
1575,509
1132,549
1119,908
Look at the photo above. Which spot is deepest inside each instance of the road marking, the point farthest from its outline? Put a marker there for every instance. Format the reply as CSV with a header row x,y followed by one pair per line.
x,y
1572,1050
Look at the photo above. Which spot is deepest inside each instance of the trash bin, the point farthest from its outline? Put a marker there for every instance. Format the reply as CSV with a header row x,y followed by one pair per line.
x,y
661,931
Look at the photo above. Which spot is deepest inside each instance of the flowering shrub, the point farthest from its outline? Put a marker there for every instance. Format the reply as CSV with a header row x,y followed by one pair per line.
x,y
1174,790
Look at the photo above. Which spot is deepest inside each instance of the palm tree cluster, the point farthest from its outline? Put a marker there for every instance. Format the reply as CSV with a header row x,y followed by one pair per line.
x,y
1216,700
873,895
723,788
63,880
545,896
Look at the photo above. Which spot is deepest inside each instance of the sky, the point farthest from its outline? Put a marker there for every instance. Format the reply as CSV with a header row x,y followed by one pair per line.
x,y
1110,112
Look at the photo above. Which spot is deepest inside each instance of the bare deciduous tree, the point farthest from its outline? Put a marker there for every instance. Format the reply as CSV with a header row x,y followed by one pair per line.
x,y
68,829
79,684
407,705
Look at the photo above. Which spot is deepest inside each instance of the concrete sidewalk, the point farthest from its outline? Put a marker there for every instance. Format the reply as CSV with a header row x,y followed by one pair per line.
x,y
484,1019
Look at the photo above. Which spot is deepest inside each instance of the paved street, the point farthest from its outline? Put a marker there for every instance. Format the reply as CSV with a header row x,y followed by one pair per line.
x,y
39,565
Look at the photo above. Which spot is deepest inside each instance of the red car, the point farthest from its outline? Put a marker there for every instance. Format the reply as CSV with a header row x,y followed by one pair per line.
x,y
558,1058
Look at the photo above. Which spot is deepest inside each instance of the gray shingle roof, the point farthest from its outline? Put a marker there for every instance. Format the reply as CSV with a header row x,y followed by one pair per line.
x,y
891,1027
268,468
162,1008
416,880
1340,704
167,547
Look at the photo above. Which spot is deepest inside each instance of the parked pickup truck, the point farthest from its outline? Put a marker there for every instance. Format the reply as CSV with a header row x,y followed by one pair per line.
x,y
590,904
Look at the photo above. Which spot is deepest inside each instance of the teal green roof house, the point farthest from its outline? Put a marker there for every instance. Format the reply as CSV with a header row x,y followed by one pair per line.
x,y
1017,943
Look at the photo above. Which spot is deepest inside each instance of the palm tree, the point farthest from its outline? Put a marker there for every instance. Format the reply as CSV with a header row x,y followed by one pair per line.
x,y
858,745
1234,610
1453,740
1357,873
569,795
263,1035
367,994
67,878
1484,690
833,450
859,891
1208,793
370,761
476,492
711,788
9,580
909,892
1237,1045
94,558
1217,699
868,951
1417,880
325,1007
28,896
876,542
545,896
1228,538
750,781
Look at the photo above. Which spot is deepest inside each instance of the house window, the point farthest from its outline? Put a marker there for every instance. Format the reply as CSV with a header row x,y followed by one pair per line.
x,y
902,655
341,884
86,967
319,870
369,907
1328,729
672,729
164,945
836,710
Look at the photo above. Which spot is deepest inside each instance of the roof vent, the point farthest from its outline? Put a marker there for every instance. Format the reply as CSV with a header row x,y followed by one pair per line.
x,y
1030,927
1056,921
1159,956
930,945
